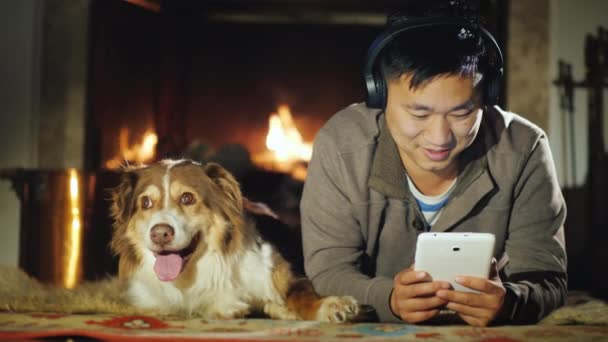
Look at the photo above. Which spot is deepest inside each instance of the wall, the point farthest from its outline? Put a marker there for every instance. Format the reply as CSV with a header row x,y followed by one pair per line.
x,y
541,33
19,95
570,23
527,60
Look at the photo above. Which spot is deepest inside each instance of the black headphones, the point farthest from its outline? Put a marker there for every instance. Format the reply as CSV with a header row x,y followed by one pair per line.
x,y
374,79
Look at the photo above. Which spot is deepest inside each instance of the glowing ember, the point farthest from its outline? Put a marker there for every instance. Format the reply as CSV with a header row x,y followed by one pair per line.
x,y
138,153
284,142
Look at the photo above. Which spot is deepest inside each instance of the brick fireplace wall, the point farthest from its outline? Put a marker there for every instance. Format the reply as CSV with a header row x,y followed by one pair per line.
x,y
63,67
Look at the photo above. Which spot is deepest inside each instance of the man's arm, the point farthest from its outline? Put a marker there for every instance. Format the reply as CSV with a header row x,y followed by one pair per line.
x,y
534,280
535,276
332,239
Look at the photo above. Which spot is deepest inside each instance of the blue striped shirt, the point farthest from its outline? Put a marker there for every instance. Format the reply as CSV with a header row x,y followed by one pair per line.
x,y
431,206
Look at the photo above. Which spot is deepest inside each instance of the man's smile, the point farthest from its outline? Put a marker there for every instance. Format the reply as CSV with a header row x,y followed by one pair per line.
x,y
437,154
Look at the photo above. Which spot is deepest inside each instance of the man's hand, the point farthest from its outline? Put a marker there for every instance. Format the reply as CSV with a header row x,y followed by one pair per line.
x,y
413,298
478,309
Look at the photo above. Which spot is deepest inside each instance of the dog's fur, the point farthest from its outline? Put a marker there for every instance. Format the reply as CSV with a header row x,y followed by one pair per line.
x,y
184,223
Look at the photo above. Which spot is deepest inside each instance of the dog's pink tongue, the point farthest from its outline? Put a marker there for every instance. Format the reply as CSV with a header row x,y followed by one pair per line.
x,y
167,267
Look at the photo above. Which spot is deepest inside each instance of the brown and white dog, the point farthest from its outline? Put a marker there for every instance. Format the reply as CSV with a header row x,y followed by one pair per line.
x,y
186,246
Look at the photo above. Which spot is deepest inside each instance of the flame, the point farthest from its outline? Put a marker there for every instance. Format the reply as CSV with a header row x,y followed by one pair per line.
x,y
74,233
284,139
285,144
138,153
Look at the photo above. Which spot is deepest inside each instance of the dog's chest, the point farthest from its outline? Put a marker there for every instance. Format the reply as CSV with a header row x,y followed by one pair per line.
x,y
240,280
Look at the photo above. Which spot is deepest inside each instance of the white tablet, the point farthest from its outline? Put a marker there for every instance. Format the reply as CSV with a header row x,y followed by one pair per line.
x,y
446,255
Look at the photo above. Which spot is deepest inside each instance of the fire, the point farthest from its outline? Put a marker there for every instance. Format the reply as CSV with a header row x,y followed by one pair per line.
x,y
138,153
288,151
284,139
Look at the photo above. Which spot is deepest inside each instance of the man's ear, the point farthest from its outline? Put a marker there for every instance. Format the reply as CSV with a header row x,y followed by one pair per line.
x,y
227,183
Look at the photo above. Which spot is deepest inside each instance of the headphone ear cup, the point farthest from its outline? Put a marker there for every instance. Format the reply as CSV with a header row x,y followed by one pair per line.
x,y
381,89
374,85
371,91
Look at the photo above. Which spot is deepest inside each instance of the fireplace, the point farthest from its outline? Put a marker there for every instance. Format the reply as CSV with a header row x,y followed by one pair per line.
x,y
246,87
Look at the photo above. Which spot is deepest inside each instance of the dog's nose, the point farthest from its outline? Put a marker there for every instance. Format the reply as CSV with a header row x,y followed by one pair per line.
x,y
162,234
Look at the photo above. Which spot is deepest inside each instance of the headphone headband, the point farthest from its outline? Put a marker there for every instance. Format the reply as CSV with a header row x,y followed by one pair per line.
x,y
376,98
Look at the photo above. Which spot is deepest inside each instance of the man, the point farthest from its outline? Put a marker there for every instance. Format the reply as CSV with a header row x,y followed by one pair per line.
x,y
436,156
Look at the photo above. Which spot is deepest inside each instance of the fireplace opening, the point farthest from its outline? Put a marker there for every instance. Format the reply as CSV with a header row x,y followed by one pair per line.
x,y
249,89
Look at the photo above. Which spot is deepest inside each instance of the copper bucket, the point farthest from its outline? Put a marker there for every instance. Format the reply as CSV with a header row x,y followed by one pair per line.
x,y
65,227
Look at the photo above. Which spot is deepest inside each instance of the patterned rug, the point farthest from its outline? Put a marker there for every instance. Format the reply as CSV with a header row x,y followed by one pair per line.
x,y
114,327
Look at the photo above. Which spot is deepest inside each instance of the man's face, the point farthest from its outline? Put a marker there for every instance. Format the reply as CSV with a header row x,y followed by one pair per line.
x,y
434,123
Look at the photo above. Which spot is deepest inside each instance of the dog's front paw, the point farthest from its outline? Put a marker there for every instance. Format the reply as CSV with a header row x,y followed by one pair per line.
x,y
337,309
229,311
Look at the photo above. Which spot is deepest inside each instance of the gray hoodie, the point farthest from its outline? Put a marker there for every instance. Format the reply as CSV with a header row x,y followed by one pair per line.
x,y
360,222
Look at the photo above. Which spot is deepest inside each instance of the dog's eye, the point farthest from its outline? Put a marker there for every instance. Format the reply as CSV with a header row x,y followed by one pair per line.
x,y
146,202
187,198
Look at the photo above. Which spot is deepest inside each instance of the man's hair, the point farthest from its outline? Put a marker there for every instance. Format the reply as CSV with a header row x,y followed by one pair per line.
x,y
430,52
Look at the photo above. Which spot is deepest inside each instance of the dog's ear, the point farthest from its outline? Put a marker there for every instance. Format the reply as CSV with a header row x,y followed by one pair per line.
x,y
226,181
122,197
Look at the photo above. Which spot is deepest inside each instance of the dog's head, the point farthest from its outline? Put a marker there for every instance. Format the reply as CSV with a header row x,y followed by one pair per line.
x,y
174,212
